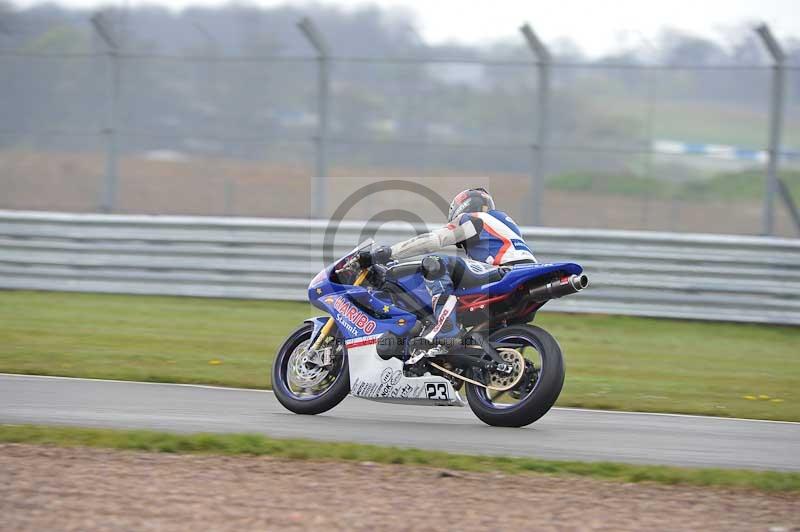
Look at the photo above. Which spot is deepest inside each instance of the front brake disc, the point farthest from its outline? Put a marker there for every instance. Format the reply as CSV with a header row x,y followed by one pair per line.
x,y
301,372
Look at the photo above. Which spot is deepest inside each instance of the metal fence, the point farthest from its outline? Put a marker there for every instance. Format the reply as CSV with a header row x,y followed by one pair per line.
x,y
598,145
707,277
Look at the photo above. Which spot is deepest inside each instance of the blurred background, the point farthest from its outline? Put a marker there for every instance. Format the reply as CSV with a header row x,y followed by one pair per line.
x,y
234,109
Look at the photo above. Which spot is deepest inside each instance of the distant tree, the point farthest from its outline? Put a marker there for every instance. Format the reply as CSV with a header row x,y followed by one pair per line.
x,y
680,48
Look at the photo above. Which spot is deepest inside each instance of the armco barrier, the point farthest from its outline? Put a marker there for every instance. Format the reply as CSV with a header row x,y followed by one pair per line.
x,y
711,277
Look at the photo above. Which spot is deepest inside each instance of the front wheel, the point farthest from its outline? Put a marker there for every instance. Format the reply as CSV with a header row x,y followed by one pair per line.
x,y
536,391
304,387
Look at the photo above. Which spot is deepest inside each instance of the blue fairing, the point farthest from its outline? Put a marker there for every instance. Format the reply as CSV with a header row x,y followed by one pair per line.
x,y
520,274
360,312
414,284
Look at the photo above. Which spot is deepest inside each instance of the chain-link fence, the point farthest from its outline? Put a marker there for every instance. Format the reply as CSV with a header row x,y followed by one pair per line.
x,y
674,148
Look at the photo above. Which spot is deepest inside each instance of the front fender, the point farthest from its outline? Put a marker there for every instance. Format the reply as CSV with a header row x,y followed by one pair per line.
x,y
318,322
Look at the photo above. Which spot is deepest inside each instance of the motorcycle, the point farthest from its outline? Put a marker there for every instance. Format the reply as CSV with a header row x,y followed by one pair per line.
x,y
512,372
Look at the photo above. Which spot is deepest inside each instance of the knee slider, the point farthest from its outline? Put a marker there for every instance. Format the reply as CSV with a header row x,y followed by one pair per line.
x,y
432,267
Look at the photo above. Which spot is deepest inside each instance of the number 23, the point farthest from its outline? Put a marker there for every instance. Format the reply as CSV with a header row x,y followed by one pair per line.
x,y
437,391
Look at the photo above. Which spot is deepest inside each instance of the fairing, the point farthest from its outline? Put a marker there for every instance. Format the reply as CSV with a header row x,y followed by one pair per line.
x,y
363,316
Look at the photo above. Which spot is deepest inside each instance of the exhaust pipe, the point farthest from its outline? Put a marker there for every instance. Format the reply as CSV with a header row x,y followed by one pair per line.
x,y
560,288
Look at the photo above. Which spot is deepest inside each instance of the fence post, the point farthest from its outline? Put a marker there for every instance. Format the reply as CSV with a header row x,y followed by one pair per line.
x,y
318,182
771,187
533,206
108,198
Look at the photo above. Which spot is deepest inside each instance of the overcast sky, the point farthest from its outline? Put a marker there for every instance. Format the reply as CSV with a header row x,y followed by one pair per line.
x,y
598,26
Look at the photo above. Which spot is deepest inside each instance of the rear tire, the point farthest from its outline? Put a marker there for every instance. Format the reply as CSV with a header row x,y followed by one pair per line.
x,y
315,404
545,391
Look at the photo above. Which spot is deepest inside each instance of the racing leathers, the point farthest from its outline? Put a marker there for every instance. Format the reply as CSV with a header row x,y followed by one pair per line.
x,y
491,238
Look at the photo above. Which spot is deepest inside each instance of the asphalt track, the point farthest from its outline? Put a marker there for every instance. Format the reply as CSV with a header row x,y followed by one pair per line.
x,y
563,434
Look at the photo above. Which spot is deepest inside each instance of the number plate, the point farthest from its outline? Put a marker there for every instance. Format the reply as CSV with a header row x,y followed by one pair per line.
x,y
437,391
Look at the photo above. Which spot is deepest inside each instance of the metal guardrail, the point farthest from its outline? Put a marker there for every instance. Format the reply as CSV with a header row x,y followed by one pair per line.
x,y
709,277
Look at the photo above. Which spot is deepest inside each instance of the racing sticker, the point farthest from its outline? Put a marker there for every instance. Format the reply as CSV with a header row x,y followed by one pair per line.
x,y
437,391
520,245
351,318
391,386
362,341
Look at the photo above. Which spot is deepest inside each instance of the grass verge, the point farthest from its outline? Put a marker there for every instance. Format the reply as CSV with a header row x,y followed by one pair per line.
x,y
727,186
254,444
613,362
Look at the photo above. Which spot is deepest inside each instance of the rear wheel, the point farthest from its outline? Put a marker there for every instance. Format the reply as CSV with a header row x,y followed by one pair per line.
x,y
536,391
303,386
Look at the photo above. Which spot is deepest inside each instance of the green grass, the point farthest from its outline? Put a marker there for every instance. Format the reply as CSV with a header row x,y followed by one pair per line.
x,y
163,339
678,116
727,186
613,362
744,185
616,184
254,444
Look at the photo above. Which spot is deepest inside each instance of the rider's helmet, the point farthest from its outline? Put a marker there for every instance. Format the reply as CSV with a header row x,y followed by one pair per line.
x,y
470,200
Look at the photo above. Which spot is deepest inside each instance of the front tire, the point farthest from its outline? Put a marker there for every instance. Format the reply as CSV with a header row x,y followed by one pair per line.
x,y
330,391
533,403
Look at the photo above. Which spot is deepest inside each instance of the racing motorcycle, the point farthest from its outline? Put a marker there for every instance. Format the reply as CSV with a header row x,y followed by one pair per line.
x,y
512,372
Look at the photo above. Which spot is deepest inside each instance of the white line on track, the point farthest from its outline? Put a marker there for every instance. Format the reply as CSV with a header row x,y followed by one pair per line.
x,y
230,388
205,386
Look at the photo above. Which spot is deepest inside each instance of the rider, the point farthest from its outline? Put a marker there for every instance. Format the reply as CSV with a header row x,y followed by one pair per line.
x,y
486,235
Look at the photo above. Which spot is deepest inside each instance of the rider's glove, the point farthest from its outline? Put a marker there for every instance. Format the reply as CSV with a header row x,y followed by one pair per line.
x,y
380,255
377,275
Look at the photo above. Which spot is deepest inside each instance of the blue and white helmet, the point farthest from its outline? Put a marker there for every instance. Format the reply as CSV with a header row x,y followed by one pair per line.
x,y
470,200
